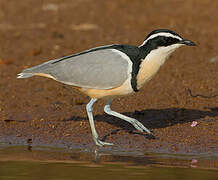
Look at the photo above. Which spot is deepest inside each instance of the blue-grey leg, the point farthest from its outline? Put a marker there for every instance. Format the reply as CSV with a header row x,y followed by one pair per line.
x,y
92,124
139,126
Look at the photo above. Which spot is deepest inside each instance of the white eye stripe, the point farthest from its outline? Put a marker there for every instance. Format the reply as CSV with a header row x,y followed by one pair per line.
x,y
161,34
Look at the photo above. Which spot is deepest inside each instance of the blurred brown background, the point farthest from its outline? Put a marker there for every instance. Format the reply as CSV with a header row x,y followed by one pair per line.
x,y
32,32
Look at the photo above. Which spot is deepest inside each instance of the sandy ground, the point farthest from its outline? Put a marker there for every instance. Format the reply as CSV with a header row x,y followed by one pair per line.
x,y
40,111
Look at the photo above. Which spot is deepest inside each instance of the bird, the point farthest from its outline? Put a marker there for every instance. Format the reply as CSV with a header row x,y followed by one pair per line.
x,y
111,71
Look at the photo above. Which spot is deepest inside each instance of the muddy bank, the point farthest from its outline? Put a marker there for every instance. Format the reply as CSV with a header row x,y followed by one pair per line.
x,y
39,111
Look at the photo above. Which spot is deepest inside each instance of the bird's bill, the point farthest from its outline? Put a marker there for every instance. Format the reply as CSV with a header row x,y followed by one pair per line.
x,y
187,42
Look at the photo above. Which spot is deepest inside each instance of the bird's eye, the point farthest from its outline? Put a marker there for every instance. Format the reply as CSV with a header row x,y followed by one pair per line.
x,y
165,39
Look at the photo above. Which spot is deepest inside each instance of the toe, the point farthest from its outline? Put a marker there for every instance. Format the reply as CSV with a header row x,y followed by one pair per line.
x,y
106,143
101,143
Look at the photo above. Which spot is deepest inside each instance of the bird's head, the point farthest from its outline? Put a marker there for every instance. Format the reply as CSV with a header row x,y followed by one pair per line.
x,y
163,42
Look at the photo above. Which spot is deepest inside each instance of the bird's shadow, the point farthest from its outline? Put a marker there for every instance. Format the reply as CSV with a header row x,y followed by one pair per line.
x,y
154,118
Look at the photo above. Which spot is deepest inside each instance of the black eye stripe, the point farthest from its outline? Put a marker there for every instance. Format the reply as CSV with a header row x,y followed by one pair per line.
x,y
163,41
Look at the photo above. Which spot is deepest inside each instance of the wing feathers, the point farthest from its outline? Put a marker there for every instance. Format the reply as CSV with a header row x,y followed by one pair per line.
x,y
101,69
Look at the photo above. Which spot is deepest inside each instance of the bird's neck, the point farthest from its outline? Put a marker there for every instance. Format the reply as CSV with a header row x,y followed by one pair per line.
x,y
159,56
150,66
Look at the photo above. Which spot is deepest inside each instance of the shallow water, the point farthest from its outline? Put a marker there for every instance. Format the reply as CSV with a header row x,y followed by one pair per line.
x,y
64,171
22,163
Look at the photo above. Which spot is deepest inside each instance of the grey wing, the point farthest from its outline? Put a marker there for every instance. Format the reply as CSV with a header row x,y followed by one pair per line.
x,y
102,69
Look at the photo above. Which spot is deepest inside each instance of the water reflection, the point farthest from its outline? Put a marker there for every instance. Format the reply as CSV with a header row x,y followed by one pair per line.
x,y
66,171
21,164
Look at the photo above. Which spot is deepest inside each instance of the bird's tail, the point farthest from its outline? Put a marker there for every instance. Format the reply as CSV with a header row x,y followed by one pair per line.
x,y
43,69
29,72
25,75
35,70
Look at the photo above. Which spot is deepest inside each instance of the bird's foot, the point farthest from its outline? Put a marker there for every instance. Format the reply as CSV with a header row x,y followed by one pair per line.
x,y
139,126
101,143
